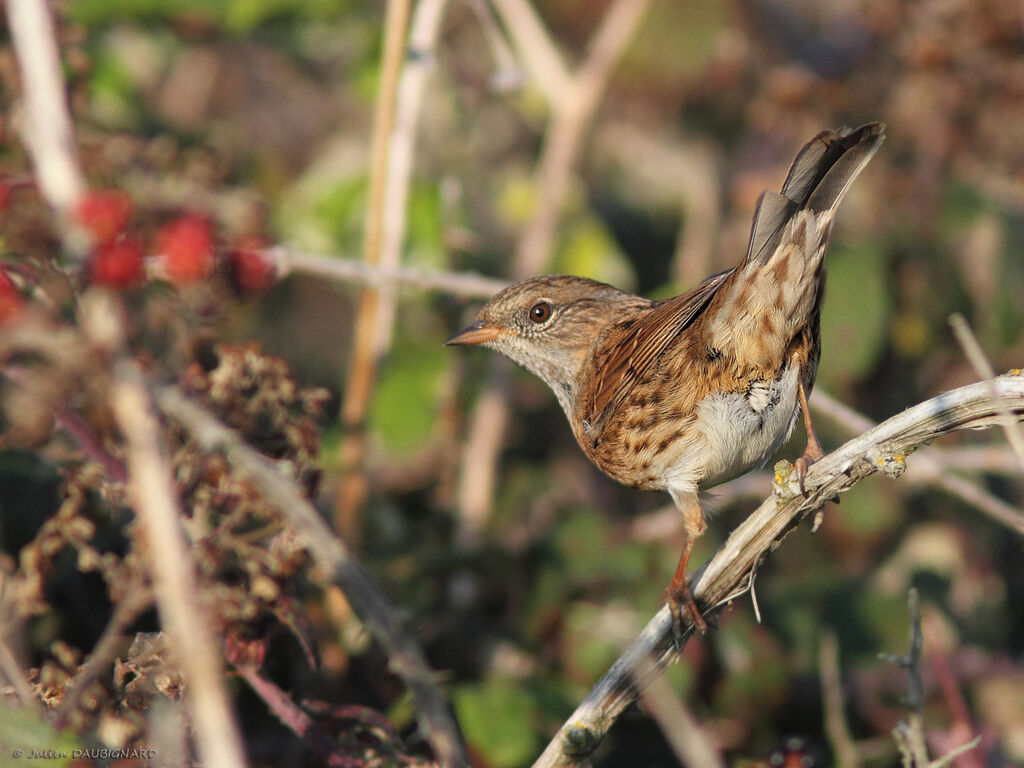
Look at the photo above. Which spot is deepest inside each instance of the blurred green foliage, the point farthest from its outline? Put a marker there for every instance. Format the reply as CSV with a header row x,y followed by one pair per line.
x,y
25,736
857,314
239,17
496,716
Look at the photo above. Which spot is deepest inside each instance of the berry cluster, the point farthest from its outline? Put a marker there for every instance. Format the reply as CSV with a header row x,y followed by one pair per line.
x,y
184,249
11,302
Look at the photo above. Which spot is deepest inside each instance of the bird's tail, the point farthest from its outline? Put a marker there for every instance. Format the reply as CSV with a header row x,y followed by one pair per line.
x,y
818,179
776,292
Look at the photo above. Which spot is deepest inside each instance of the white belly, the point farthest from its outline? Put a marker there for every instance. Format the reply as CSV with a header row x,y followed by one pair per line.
x,y
741,430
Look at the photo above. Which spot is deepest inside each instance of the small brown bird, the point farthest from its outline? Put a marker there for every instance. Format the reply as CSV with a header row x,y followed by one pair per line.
x,y
686,393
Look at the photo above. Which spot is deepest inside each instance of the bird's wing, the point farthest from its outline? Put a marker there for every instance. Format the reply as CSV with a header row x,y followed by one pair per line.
x,y
618,368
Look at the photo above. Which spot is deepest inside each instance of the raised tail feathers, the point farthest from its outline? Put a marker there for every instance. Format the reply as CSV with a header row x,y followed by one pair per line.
x,y
818,179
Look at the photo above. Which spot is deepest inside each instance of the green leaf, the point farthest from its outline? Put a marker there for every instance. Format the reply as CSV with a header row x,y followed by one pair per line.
x,y
589,250
855,318
404,404
869,510
339,213
23,733
425,239
496,718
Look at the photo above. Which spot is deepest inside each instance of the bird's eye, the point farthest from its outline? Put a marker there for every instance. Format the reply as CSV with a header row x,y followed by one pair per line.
x,y
540,311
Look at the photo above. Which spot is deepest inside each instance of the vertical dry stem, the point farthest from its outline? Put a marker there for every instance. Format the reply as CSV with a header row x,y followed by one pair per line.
x,y
363,358
832,696
219,740
47,131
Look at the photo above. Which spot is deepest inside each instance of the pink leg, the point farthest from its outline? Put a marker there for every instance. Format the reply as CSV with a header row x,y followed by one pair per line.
x,y
813,452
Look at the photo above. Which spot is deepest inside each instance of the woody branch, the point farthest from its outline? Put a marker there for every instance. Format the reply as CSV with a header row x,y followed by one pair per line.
x,y
884,448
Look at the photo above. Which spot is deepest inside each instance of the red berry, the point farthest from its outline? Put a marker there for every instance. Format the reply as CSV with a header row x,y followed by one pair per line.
x,y
187,248
117,264
5,194
11,302
104,212
252,271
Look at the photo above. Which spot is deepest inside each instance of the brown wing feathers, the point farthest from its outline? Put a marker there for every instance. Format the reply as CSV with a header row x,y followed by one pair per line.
x,y
817,181
629,360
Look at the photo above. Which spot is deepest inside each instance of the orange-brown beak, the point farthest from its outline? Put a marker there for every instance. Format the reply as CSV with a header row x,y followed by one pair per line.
x,y
475,333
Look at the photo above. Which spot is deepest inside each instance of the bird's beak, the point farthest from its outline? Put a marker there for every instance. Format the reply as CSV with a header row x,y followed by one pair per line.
x,y
477,332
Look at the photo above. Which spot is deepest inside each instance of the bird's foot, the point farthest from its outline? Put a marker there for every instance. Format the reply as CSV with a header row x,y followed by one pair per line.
x,y
680,602
812,453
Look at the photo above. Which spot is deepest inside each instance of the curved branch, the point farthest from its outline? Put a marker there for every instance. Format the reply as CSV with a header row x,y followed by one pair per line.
x,y
729,573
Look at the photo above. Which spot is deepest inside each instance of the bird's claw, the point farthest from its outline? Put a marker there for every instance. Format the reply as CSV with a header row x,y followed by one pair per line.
x,y
811,455
680,603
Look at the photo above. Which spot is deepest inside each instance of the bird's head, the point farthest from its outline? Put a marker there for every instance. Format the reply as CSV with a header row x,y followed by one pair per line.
x,y
548,325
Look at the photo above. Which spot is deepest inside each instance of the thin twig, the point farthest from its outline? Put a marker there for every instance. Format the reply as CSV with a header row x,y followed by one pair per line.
x,y
910,737
218,737
536,50
292,716
508,75
366,333
47,131
11,669
332,557
832,697
884,448
976,357
462,284
961,727
102,655
690,743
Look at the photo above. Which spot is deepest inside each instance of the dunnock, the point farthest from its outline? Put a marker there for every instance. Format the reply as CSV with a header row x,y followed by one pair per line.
x,y
686,393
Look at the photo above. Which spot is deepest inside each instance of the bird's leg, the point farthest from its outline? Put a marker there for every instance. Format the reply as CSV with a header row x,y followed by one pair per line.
x,y
677,594
813,452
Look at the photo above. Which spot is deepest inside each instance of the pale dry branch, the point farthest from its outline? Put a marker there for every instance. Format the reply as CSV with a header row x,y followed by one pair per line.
x,y
47,130
991,459
691,744
465,285
929,467
476,484
564,136
536,50
218,737
976,357
883,448
332,557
